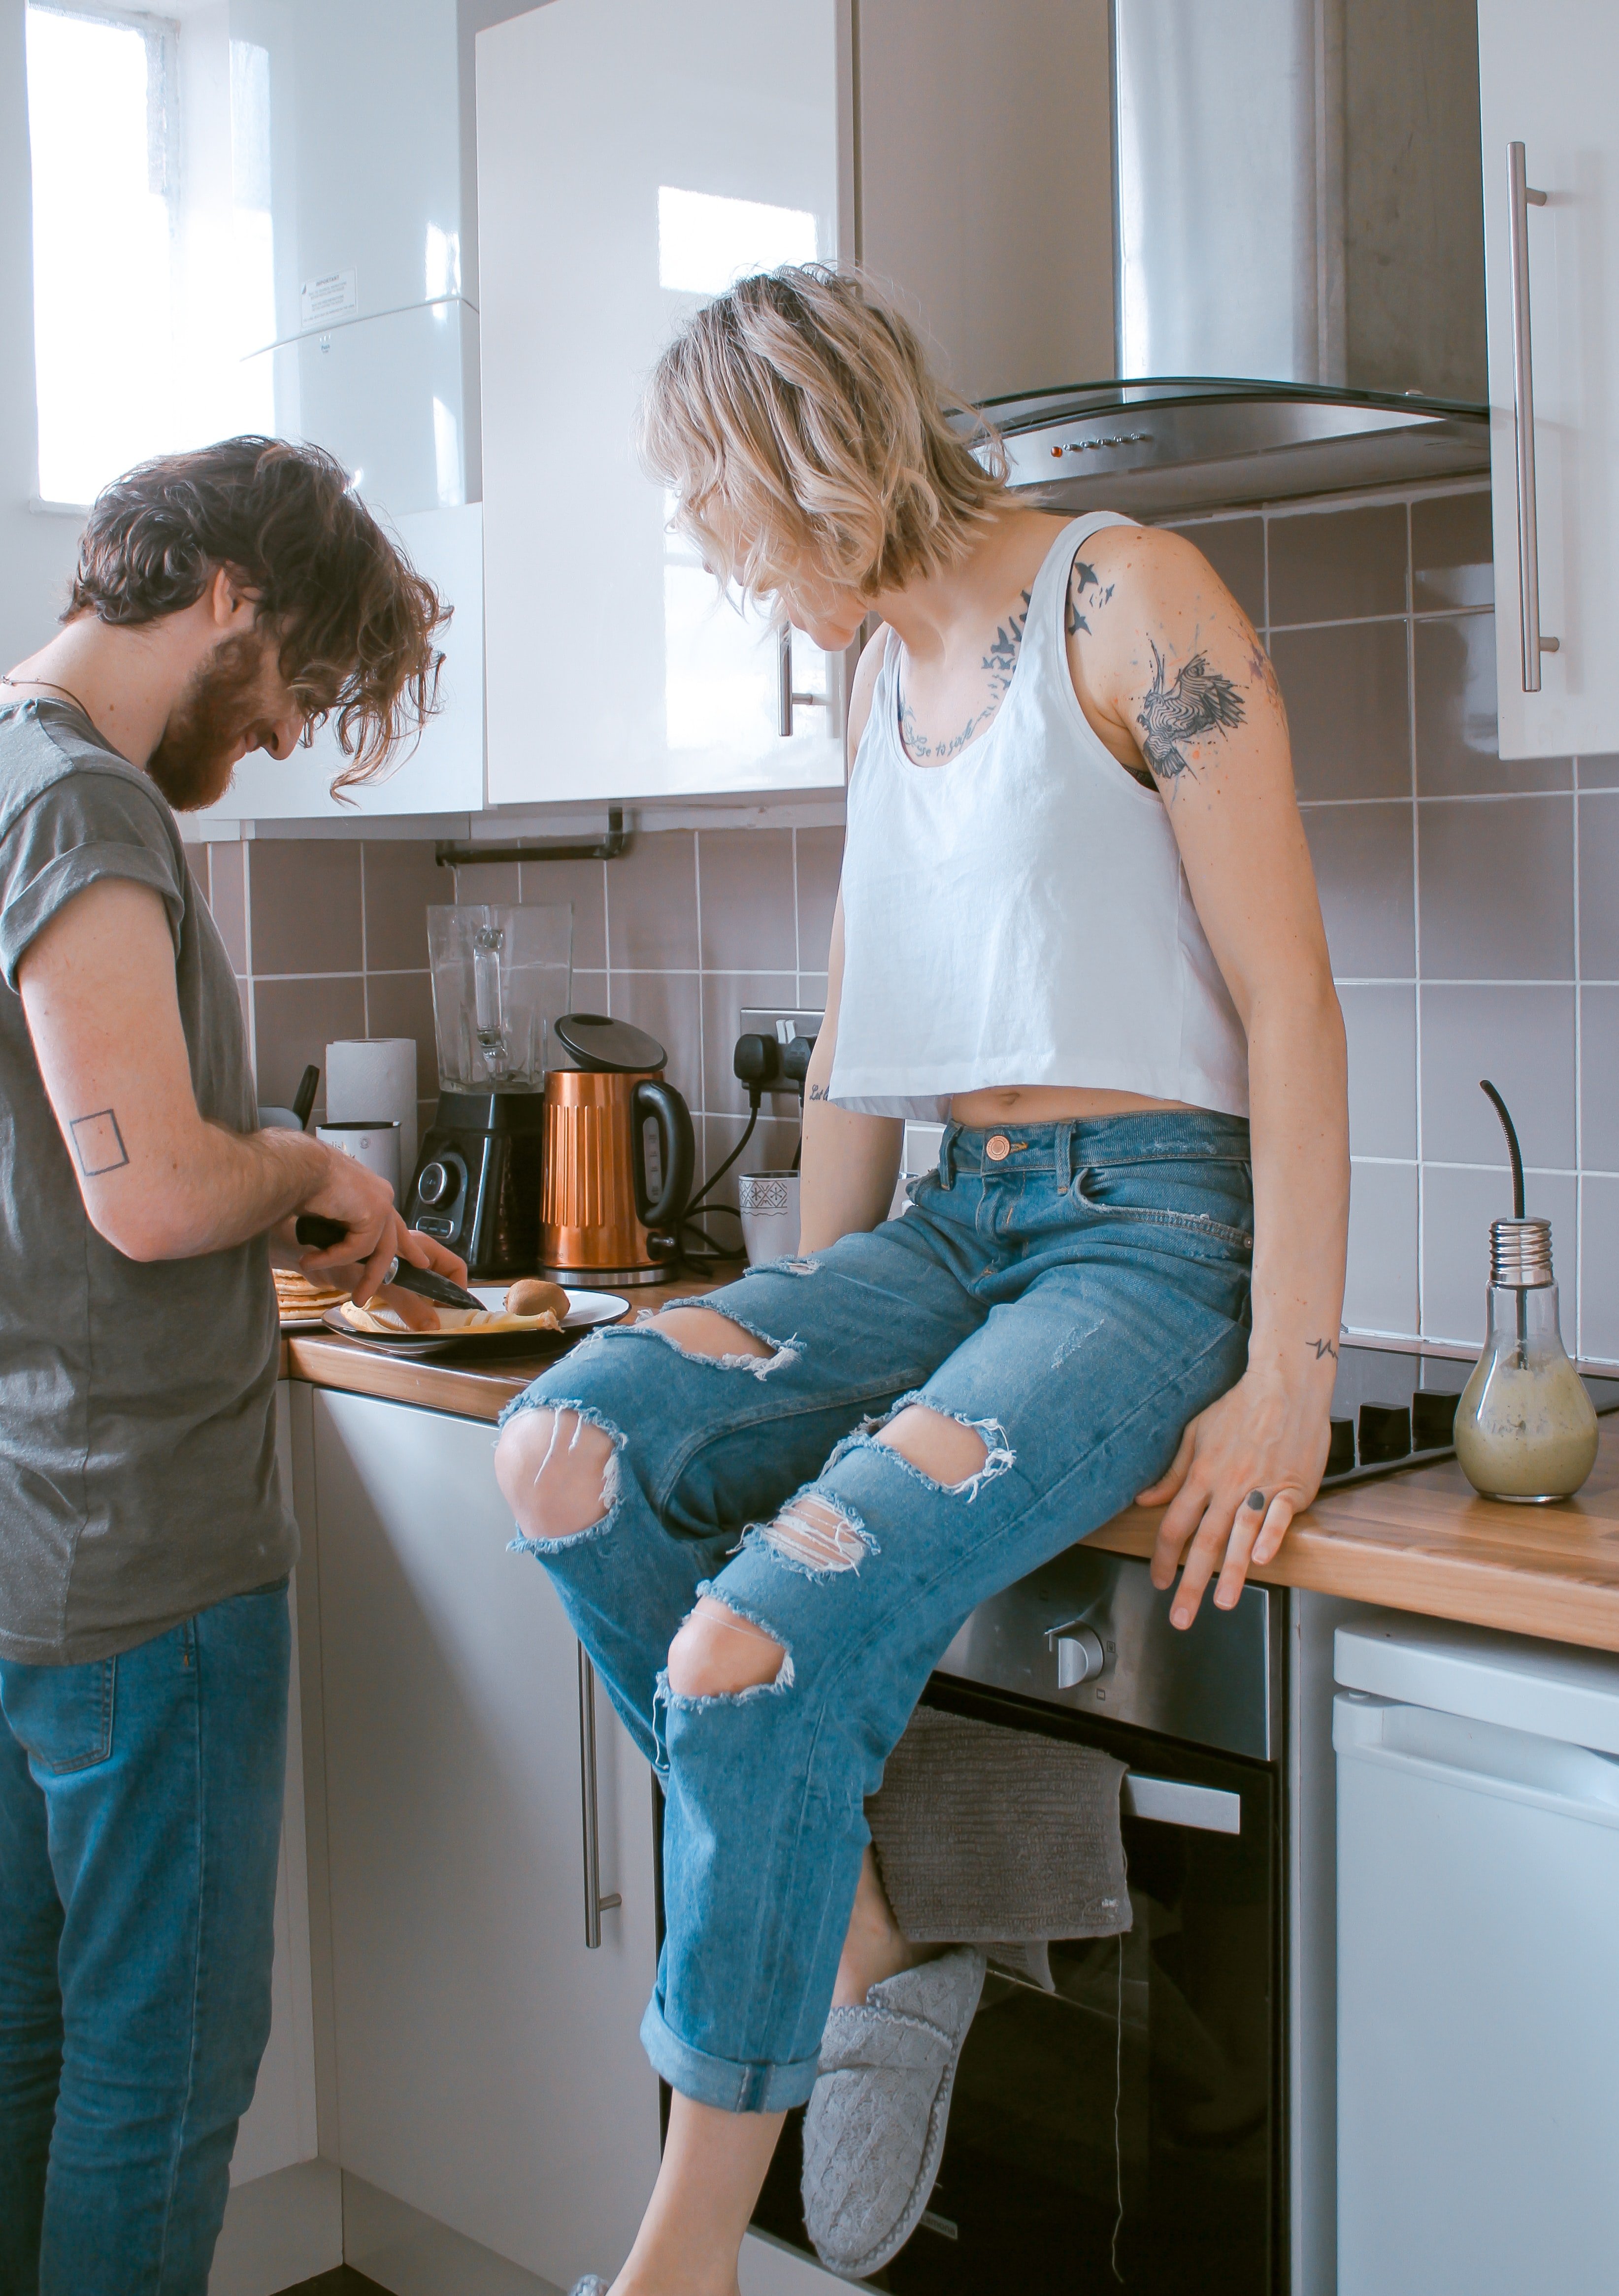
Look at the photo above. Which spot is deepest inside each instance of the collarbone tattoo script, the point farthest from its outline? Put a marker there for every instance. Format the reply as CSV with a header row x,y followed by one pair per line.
x,y
999,662
1199,701
1086,594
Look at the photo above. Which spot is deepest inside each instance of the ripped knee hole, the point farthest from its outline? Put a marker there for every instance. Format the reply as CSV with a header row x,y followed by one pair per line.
x,y
817,1534
937,1446
705,1331
716,1654
558,1470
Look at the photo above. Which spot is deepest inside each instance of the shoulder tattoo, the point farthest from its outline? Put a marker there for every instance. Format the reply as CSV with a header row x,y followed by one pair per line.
x,y
1199,701
1086,594
1004,649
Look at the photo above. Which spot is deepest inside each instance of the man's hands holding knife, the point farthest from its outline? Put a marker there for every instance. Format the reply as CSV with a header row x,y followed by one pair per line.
x,y
374,1236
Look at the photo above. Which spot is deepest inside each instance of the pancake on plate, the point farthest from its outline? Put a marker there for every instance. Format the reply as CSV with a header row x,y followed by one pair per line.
x,y
297,1297
388,1323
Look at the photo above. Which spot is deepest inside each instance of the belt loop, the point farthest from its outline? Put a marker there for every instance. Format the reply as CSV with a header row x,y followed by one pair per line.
x,y
1063,1158
947,1161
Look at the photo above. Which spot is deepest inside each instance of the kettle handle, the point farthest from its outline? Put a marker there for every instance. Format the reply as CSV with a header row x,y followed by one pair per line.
x,y
677,1152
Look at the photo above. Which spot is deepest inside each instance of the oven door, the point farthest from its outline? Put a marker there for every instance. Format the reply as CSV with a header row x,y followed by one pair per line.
x,y
1126,2130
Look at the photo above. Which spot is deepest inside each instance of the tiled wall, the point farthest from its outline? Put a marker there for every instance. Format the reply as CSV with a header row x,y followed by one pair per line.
x,y
329,939
1472,908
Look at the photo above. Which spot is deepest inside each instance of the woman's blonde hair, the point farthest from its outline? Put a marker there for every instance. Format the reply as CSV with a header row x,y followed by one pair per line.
x,y
797,422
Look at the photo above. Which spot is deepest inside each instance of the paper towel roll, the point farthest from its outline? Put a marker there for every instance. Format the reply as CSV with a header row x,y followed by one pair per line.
x,y
376,1077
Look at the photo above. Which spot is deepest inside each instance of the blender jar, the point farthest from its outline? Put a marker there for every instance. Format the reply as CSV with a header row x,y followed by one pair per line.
x,y
501,979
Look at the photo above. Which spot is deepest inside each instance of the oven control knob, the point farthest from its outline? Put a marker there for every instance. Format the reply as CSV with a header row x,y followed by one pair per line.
x,y
1080,1655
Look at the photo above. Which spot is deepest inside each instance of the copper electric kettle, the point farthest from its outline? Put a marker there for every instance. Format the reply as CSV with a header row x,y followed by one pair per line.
x,y
600,1222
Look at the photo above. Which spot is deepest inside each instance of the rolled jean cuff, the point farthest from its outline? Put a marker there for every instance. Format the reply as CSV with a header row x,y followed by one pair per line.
x,y
716,2080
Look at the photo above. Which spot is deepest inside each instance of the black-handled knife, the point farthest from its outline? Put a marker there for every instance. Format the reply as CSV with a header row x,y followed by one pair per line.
x,y
321,1234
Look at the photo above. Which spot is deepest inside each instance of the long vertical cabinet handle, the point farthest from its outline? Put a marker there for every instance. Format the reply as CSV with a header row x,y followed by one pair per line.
x,y
787,699
784,683
596,1904
1520,199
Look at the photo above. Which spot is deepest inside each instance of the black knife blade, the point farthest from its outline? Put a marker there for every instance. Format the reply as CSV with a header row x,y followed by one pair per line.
x,y
426,1283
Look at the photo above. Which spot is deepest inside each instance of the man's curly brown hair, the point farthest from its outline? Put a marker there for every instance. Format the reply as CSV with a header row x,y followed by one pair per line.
x,y
352,620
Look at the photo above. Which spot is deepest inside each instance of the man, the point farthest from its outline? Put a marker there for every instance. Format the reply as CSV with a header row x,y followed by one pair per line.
x,y
224,600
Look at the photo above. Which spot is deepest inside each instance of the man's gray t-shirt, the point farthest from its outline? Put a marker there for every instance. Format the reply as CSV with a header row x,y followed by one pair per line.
x,y
138,1439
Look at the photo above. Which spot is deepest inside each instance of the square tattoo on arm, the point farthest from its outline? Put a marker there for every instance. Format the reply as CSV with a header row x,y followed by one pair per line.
x,y
98,1143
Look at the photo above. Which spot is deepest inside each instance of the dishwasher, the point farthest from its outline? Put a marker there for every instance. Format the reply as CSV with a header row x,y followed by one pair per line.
x,y
1477,1963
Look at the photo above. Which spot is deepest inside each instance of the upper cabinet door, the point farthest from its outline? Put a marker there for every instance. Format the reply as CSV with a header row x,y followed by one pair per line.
x,y
633,160
1547,77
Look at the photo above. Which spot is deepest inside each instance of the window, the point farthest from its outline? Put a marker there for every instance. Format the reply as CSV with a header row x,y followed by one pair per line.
x,y
720,680
142,309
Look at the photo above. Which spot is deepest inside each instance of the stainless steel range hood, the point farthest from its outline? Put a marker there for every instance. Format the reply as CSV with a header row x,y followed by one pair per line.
x,y
1153,448
1299,261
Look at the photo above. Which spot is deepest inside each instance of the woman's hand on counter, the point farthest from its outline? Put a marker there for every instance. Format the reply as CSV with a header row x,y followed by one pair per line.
x,y
1265,1440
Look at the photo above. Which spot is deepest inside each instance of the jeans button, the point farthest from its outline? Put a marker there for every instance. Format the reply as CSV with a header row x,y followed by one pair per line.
x,y
997,1147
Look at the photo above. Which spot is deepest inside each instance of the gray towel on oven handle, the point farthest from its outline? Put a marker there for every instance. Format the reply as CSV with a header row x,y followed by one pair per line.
x,y
1000,1838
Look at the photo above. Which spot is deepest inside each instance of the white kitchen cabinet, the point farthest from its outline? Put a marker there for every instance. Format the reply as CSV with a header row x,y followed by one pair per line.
x,y
633,158
487,2066
441,772
1546,78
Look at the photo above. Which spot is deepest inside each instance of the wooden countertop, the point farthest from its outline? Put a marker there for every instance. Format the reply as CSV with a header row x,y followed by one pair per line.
x,y
1420,1541
458,1386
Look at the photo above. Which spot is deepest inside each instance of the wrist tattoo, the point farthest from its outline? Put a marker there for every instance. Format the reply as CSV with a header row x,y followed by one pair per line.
x,y
817,1092
1324,1348
98,1143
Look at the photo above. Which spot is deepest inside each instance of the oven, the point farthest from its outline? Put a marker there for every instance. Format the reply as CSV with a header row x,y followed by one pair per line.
x,y
1128,2130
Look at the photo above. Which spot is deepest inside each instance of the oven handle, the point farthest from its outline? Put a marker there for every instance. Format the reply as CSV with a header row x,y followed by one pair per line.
x,y
1171,1803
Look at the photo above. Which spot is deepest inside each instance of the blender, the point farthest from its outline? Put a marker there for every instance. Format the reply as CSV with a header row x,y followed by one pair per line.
x,y
501,978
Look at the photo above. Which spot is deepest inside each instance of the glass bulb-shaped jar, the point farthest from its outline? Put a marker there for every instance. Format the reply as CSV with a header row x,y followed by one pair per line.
x,y
1525,1427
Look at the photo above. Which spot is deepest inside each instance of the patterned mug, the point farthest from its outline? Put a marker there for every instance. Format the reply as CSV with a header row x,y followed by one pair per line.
x,y
768,1202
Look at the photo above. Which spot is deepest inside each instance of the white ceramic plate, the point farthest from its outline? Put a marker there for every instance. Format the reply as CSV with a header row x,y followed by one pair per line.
x,y
584,1309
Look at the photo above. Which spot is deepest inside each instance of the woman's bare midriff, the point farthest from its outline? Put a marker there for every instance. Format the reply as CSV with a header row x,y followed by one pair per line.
x,y
1037,1103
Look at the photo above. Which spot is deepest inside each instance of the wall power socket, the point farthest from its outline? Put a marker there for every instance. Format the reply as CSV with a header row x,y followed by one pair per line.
x,y
783,1023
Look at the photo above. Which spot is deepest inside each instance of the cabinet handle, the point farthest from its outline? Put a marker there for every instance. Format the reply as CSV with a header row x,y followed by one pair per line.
x,y
1520,199
786,699
596,1904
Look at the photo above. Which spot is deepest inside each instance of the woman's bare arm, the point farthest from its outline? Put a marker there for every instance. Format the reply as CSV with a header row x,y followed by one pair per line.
x,y
850,1162
1171,673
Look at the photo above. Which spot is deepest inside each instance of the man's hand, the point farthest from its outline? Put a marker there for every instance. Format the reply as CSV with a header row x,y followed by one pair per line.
x,y
1244,1468
377,1236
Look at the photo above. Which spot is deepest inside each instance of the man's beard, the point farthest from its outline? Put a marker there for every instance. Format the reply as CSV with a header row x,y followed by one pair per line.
x,y
194,762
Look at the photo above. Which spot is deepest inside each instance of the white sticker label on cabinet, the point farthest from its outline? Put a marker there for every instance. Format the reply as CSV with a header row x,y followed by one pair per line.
x,y
329,296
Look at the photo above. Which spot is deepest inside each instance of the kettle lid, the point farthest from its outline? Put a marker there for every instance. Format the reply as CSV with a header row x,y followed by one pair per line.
x,y
597,1042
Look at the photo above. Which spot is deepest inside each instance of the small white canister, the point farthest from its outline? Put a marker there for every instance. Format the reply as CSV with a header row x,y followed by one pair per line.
x,y
768,1202
376,1145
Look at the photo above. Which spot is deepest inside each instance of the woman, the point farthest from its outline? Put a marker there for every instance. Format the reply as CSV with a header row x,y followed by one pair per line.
x,y
1077,921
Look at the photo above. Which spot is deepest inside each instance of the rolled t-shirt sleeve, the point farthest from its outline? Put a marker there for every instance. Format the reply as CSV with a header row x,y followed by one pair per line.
x,y
87,826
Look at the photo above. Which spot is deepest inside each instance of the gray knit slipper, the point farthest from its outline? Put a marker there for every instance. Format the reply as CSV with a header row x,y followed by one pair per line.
x,y
874,2128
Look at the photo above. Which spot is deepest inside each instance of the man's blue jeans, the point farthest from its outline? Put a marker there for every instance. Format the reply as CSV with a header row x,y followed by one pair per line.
x,y
140,1825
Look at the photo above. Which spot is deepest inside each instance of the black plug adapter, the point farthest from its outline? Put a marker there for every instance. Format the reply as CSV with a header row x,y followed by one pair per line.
x,y
796,1061
757,1063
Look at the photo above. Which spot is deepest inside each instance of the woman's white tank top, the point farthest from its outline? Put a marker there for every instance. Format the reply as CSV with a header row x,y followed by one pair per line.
x,y
1019,915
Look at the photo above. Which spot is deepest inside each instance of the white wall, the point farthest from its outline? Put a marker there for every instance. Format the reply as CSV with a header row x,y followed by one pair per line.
x,y
36,554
